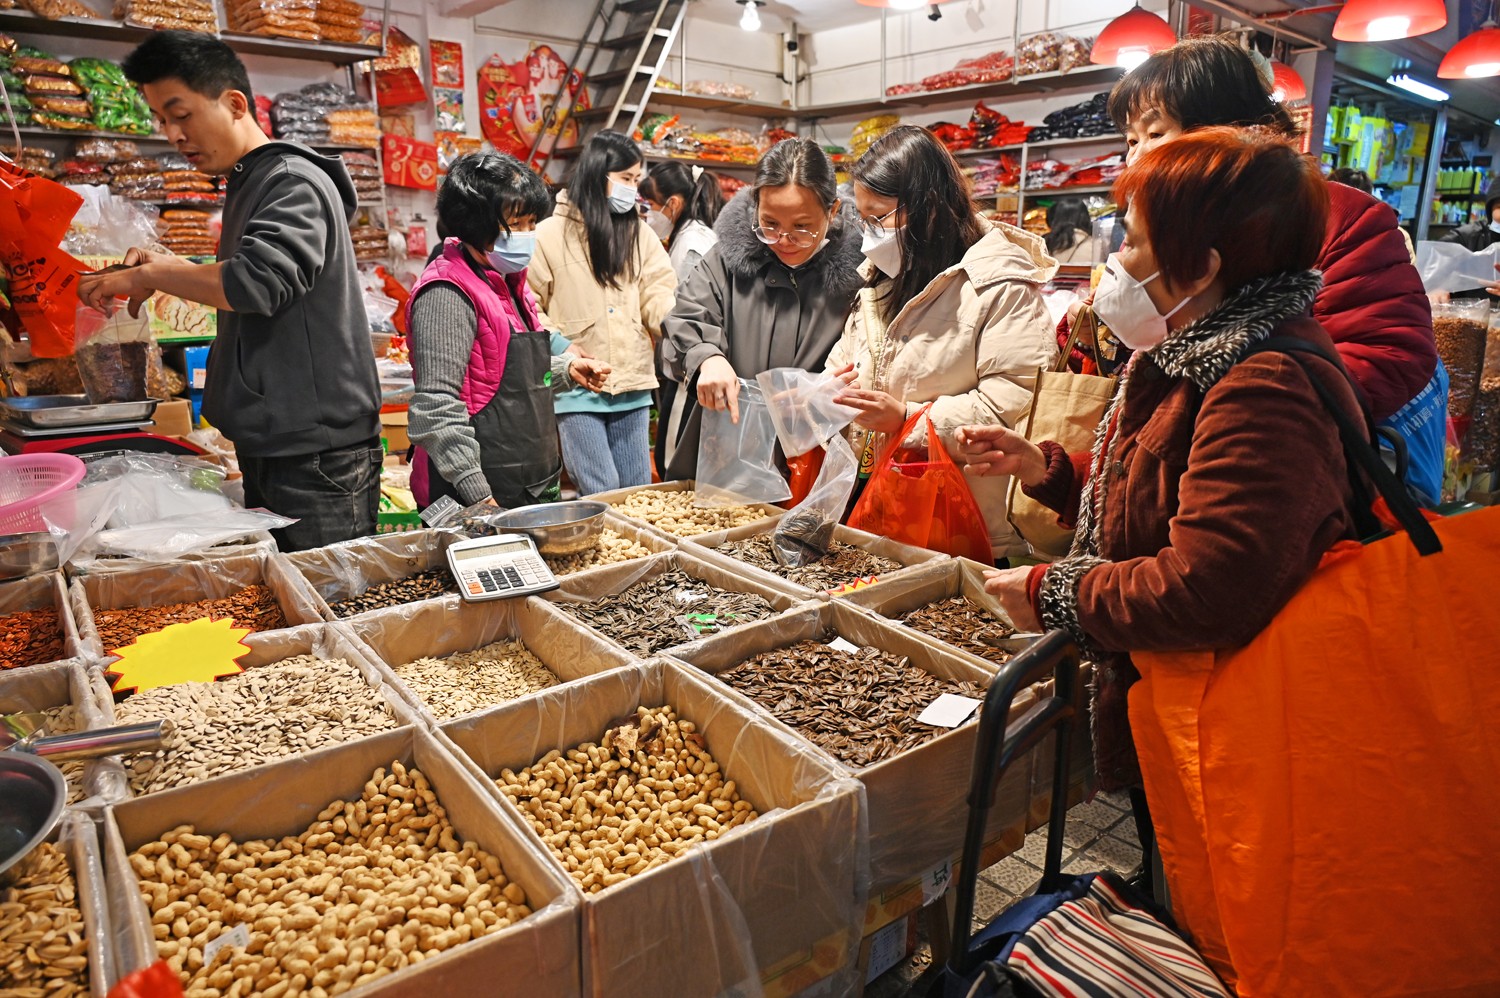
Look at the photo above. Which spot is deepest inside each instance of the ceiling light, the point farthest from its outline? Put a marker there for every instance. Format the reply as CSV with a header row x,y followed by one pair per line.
x,y
1131,38
750,19
1286,84
1476,56
1414,86
1386,20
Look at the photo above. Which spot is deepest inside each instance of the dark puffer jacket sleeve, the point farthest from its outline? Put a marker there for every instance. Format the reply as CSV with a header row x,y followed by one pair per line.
x,y
1372,303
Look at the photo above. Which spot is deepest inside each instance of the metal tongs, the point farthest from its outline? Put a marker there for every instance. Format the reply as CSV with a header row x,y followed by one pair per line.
x,y
26,733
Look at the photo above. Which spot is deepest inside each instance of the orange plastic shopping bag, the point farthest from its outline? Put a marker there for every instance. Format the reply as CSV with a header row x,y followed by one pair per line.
x,y
1325,797
918,496
34,217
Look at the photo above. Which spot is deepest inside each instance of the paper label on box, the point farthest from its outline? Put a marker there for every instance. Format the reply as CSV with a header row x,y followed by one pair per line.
x,y
948,711
839,644
887,947
238,937
688,596
200,379
935,882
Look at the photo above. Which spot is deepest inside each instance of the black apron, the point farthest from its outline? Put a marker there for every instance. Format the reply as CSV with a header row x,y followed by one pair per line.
x,y
517,430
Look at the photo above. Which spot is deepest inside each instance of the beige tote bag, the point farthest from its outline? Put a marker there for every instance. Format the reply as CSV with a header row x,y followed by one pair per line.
x,y
1065,408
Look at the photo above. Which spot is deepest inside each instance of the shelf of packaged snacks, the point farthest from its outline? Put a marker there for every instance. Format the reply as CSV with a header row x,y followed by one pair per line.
x,y
1092,140
100,29
1090,78
326,147
707,164
37,132
724,105
1035,192
1474,196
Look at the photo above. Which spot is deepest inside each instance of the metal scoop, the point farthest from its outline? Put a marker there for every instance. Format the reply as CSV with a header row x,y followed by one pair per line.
x,y
25,733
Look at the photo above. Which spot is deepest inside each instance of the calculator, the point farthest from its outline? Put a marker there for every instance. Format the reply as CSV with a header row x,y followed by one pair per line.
x,y
499,567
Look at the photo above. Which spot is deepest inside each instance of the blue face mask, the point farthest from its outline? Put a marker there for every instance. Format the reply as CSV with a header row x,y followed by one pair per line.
x,y
512,253
621,197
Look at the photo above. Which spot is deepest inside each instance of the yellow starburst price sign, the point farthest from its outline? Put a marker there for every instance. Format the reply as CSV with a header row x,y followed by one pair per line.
x,y
200,651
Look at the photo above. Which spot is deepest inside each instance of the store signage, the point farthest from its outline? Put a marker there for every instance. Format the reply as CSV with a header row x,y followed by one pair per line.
x,y
199,651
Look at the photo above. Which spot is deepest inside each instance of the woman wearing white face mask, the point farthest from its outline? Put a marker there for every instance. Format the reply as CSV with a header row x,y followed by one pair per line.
x,y
1218,480
481,416
602,277
951,312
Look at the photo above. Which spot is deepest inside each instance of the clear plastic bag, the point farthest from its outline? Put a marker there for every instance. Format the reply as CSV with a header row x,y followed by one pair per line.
x,y
737,461
806,533
114,354
802,407
1452,267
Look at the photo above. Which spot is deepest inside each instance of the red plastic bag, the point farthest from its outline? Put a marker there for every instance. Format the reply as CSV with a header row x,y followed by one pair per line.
x,y
34,216
802,471
155,981
921,498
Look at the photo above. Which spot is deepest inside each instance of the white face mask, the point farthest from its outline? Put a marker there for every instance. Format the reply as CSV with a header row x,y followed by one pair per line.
x,y
621,197
659,224
1122,303
1495,226
884,250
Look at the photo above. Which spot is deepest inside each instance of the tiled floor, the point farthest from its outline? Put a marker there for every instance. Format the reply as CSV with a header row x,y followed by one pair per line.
x,y
1100,836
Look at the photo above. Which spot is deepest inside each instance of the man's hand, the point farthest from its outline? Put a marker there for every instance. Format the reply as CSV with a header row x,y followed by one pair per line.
x,y
719,387
131,281
995,450
1494,288
1009,585
879,411
590,373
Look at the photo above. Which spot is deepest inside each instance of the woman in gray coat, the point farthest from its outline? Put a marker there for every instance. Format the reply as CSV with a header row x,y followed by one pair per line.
x,y
775,292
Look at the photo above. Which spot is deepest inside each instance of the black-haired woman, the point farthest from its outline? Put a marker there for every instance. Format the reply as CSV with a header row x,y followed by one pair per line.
x,y
481,416
603,278
951,313
774,292
685,202
1070,231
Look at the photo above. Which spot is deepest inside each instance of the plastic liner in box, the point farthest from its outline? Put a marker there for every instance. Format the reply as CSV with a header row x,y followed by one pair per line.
x,y
679,486
432,629
345,570
323,640
535,958
186,582
716,918
907,556
260,543
587,587
40,592
43,687
916,799
929,584
75,835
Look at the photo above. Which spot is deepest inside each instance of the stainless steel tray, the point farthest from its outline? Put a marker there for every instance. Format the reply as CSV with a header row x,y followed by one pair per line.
x,y
46,411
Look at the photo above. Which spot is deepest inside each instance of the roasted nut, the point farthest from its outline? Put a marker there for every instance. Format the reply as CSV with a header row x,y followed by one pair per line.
x,y
962,624
382,595
42,940
842,564
611,549
671,609
468,681
30,637
675,513
254,607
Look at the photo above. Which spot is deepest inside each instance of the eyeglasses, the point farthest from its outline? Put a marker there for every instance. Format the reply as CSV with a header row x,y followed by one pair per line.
x,y
874,227
798,238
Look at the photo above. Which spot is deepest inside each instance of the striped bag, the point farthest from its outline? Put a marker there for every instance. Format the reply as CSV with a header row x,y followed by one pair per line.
x,y
1092,938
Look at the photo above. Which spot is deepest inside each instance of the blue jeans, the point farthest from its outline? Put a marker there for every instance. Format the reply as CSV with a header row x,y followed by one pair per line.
x,y
604,451
334,495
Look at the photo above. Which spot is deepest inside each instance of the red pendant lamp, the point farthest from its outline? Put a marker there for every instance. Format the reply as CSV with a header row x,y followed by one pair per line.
x,y
1475,56
1387,20
1131,39
1286,84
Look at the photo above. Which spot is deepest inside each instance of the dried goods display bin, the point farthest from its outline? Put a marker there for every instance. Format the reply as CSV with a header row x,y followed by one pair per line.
x,y
346,570
536,957
43,592
777,898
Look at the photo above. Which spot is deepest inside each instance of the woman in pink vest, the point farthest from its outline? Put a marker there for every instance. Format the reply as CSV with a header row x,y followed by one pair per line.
x,y
482,415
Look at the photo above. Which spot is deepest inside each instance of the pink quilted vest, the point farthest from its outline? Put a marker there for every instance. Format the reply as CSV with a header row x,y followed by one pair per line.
x,y
497,316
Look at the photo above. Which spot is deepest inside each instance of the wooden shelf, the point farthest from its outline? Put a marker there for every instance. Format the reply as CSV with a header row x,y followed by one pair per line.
x,y
99,29
1036,192
724,105
1095,78
1092,140
38,132
707,164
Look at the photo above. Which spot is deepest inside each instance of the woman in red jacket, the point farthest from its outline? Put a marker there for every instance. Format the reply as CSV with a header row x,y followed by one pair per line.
x,y
1218,480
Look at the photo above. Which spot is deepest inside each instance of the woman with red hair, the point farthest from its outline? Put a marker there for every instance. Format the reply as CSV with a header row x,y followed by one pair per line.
x,y
1217,480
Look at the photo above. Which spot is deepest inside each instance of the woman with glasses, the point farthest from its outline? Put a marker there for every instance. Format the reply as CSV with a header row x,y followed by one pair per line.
x,y
604,280
774,292
951,313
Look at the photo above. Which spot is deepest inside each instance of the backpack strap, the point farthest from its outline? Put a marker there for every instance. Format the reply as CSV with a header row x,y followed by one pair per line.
x,y
1358,451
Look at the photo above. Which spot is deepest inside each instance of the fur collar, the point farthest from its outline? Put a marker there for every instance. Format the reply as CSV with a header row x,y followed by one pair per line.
x,y
837,265
1204,350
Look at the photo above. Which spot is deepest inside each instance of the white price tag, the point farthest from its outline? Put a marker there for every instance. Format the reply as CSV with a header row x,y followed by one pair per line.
x,y
935,882
238,937
200,379
949,711
839,644
688,596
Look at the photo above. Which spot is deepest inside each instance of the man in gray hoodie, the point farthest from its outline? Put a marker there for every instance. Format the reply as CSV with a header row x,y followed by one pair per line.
x,y
291,376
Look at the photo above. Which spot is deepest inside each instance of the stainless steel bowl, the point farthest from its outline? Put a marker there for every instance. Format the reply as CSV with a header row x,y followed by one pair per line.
x,y
24,555
558,528
32,794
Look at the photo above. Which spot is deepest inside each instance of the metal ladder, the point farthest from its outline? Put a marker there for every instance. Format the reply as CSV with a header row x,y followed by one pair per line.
x,y
639,34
